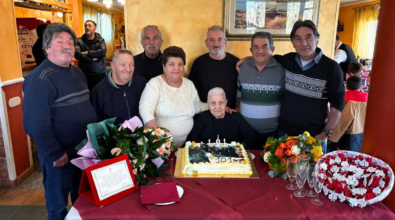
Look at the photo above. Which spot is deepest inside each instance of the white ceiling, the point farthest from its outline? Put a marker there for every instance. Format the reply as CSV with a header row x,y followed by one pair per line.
x,y
115,5
352,2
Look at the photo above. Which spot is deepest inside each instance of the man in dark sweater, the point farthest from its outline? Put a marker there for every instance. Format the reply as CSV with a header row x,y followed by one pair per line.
x,y
56,112
311,81
344,56
118,95
91,55
148,64
215,68
37,49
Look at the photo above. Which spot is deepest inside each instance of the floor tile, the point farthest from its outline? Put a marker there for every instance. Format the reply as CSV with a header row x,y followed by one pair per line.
x,y
30,213
14,196
7,211
37,198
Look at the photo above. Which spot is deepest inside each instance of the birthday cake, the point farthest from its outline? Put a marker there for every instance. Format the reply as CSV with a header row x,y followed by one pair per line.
x,y
215,159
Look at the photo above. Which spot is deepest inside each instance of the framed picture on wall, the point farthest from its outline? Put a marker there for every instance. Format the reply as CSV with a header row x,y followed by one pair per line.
x,y
242,18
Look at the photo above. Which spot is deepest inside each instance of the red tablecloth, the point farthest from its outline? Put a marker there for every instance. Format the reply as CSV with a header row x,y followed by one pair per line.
x,y
263,198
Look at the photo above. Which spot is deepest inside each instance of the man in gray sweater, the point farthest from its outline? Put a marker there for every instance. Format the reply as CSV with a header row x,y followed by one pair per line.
x,y
260,88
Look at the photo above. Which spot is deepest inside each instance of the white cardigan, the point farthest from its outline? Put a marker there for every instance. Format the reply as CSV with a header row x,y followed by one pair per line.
x,y
172,108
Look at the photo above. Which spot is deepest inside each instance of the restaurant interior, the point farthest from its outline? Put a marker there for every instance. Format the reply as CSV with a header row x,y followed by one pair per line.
x,y
183,23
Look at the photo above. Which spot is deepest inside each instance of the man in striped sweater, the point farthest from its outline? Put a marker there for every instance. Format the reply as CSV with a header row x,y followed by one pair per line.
x,y
260,88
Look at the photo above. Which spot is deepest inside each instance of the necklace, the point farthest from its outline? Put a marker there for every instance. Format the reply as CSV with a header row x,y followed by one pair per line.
x,y
177,86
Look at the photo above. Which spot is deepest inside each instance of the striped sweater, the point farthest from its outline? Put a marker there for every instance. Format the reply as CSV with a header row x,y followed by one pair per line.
x,y
259,94
56,109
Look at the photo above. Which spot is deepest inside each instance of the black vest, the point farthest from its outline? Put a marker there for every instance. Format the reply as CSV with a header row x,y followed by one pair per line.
x,y
350,58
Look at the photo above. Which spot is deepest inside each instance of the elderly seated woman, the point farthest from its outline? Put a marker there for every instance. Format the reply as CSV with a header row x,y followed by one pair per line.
x,y
216,121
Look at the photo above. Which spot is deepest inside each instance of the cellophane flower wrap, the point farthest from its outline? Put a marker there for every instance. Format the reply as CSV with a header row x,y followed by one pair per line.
x,y
147,149
277,151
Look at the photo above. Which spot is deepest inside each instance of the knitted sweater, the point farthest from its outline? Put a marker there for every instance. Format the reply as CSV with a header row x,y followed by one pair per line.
x,y
172,108
260,94
307,93
56,109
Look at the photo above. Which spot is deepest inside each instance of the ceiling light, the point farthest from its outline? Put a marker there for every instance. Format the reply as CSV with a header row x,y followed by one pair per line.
x,y
108,3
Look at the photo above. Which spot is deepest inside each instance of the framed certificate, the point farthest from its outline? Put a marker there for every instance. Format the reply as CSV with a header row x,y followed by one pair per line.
x,y
108,181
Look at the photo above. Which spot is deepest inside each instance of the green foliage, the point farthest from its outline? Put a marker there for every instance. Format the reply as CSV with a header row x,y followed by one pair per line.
x,y
140,145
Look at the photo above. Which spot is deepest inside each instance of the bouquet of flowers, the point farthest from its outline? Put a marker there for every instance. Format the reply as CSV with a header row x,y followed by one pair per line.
x,y
147,149
277,151
358,178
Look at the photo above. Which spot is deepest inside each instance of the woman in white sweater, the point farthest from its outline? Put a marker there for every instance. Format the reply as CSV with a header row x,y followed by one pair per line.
x,y
171,100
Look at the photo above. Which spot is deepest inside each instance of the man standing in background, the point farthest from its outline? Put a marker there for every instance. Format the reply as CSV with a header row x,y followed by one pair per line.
x,y
215,68
148,64
91,52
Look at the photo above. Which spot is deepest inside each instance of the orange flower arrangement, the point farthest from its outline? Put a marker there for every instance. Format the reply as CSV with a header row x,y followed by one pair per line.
x,y
277,150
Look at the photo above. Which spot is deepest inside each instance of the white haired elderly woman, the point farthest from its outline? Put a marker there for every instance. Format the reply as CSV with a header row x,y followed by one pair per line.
x,y
216,121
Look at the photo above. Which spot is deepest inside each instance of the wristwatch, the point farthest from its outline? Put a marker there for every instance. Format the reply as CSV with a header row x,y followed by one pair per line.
x,y
328,133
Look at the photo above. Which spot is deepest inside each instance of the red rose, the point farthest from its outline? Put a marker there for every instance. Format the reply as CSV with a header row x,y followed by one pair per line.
x,y
369,196
283,161
279,153
375,182
288,152
347,192
283,146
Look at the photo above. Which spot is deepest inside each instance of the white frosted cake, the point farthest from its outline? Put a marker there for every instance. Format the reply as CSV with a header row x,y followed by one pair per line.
x,y
215,159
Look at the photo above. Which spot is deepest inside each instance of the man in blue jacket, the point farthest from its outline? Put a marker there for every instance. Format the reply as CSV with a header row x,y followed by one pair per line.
x,y
118,95
56,112
91,55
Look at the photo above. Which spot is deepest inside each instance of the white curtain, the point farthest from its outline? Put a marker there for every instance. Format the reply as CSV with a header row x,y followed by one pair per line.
x,y
105,23
365,27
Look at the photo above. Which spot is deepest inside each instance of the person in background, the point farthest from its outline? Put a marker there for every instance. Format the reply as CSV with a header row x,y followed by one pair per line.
x,y
344,55
37,50
355,69
148,64
171,100
91,55
118,95
261,86
215,68
56,112
354,93
232,127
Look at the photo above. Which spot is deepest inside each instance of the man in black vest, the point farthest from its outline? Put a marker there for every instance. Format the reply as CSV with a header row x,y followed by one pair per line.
x,y
344,55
